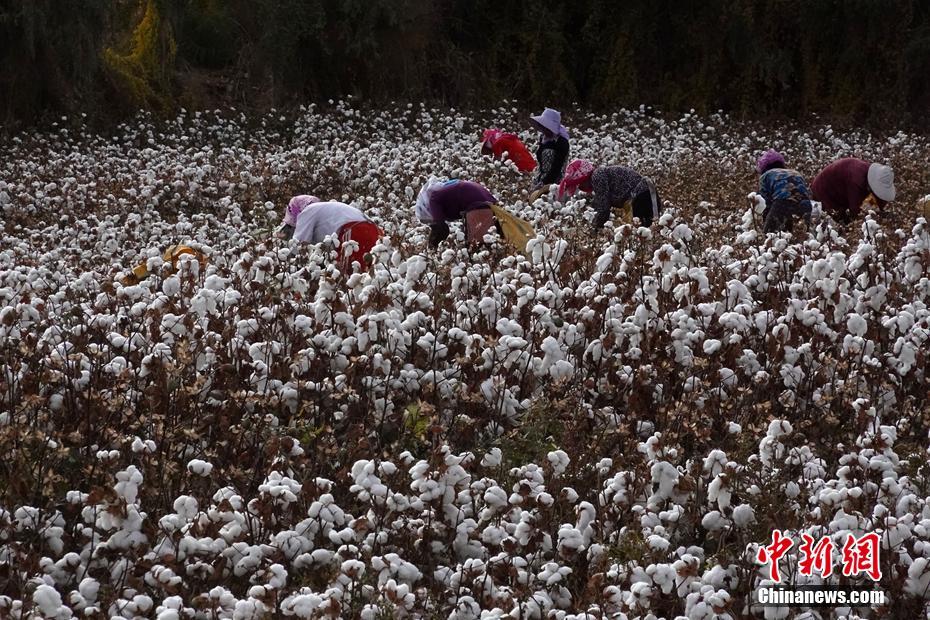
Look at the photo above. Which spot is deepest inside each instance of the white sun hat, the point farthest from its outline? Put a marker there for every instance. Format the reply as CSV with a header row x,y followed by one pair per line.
x,y
881,182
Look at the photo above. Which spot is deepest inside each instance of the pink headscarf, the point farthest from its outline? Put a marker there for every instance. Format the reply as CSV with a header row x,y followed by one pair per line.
x,y
295,206
576,173
491,136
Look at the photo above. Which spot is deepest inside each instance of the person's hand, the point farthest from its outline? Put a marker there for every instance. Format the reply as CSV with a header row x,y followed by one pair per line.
x,y
816,212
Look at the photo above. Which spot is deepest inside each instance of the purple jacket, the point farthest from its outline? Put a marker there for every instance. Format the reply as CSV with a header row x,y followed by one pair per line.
x,y
453,201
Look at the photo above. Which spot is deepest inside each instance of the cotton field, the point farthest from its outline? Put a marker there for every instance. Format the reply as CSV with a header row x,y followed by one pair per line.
x,y
607,426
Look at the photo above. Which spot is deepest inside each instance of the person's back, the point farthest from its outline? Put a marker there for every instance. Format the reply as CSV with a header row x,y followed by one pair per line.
x,y
842,186
614,186
451,201
323,219
787,197
553,157
783,184
618,183
508,146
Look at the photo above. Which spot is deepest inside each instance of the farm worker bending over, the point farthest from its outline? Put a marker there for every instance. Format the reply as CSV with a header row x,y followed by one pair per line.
x,y
552,153
847,185
441,202
309,220
499,144
785,192
613,187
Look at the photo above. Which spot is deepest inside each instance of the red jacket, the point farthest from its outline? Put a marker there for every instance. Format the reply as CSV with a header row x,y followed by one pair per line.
x,y
842,186
511,146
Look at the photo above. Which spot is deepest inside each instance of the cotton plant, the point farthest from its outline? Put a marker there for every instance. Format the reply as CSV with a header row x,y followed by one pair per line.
x,y
464,432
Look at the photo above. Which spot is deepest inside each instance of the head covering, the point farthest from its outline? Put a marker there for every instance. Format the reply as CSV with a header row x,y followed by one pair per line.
x,y
551,120
491,136
295,206
881,182
770,159
422,207
576,173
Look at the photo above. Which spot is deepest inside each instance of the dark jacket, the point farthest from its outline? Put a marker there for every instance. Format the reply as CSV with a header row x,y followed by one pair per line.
x,y
842,186
552,157
613,186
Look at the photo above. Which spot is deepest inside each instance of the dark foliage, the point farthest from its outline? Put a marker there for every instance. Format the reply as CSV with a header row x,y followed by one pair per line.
x,y
862,60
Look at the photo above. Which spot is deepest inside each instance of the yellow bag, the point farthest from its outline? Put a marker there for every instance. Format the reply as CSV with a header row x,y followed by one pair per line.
x,y
924,207
539,193
517,232
173,254
626,212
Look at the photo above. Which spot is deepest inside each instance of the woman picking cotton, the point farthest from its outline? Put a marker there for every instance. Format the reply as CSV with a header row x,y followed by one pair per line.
x,y
441,202
849,185
501,145
552,153
787,197
614,187
310,220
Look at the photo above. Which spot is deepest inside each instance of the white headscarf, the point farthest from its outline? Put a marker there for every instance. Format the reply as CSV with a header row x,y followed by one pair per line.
x,y
422,209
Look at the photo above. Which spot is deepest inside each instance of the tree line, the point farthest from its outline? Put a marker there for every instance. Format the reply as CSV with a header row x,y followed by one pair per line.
x,y
864,60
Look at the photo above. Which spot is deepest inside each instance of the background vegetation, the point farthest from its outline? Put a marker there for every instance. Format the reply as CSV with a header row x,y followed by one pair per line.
x,y
865,60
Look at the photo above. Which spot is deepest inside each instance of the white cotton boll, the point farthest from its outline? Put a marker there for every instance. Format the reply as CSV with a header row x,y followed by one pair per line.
x,y
664,478
493,458
559,461
171,286
779,428
658,543
48,600
128,482
89,589
714,521
711,346
199,467
143,447
918,578
856,325
718,491
186,507
743,515
495,497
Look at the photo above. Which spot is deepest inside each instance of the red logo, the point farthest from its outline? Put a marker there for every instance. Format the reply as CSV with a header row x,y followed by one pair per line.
x,y
817,557
774,552
860,556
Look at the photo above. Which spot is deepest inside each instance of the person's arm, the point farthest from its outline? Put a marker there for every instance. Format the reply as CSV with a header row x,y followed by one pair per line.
x,y
855,195
546,161
601,202
765,188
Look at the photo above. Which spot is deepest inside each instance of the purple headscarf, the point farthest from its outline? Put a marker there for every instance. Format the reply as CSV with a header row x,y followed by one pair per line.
x,y
295,206
769,159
